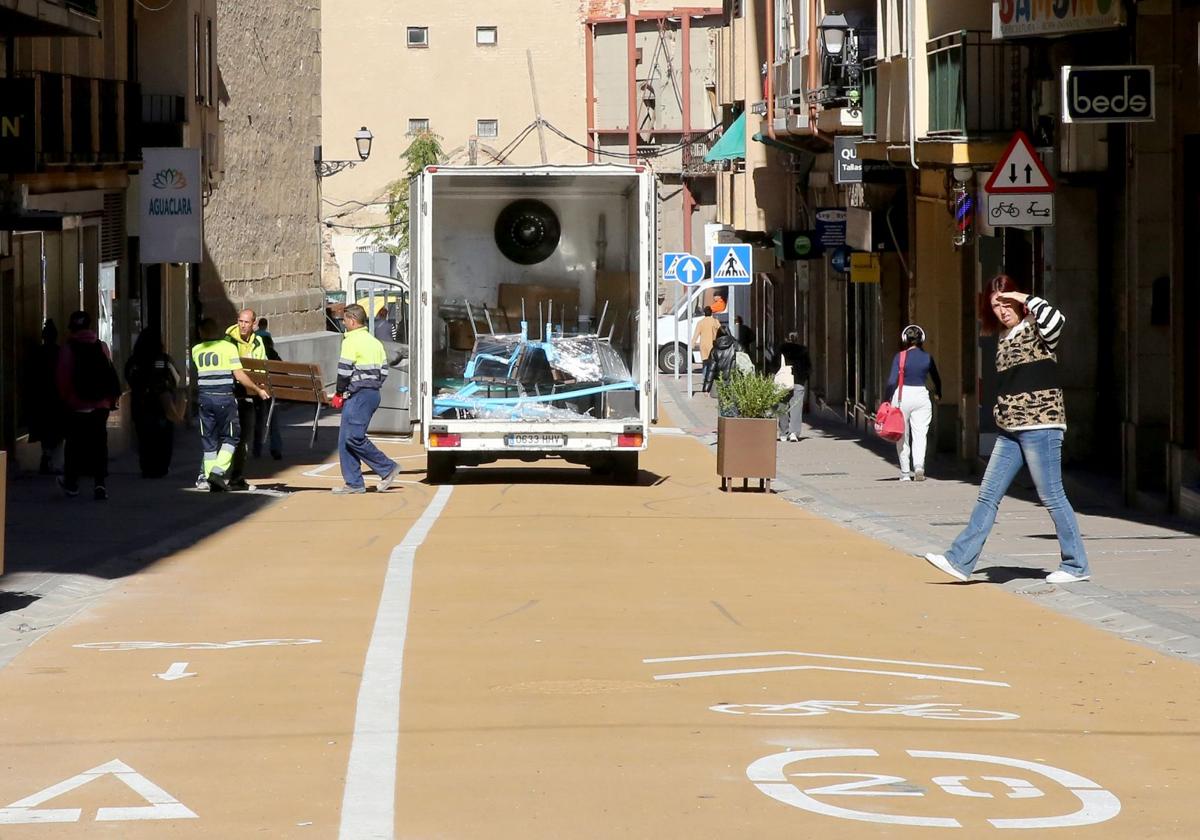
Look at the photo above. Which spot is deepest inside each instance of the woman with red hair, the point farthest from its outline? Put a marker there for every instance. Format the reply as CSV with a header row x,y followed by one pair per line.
x,y
1032,419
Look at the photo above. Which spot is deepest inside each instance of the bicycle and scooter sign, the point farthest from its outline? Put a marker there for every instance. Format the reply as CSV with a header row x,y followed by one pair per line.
x,y
1020,192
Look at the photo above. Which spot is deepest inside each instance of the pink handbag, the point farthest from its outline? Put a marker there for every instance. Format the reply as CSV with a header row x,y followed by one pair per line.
x,y
889,420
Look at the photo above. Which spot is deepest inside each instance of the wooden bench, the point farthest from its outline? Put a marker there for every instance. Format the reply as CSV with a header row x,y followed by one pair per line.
x,y
290,382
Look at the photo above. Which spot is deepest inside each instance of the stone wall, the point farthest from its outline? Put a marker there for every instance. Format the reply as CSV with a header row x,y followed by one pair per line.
x,y
261,246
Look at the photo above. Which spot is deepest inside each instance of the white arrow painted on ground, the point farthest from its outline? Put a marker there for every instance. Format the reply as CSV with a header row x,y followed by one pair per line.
x,y
177,671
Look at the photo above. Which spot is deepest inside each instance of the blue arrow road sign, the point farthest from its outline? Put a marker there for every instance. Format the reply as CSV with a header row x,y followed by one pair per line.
x,y
689,270
731,264
670,261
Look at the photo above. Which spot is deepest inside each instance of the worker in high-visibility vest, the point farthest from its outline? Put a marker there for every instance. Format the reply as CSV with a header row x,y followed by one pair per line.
x,y
218,366
249,346
360,374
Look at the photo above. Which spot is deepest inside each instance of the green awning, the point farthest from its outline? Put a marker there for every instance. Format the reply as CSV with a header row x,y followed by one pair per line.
x,y
732,145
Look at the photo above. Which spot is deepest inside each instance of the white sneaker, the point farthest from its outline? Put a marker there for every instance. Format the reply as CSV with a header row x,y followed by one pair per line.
x,y
905,477
1065,577
942,563
794,438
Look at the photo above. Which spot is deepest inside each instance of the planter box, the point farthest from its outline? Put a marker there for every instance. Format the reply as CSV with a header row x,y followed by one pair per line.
x,y
746,449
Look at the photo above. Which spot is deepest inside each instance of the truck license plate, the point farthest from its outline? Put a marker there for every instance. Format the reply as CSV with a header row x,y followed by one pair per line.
x,y
535,441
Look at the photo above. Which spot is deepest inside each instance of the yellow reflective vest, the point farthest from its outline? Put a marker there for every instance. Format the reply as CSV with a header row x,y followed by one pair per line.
x,y
215,363
363,363
251,348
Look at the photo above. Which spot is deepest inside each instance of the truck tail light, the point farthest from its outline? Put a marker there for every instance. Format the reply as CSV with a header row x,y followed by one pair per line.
x,y
442,441
629,440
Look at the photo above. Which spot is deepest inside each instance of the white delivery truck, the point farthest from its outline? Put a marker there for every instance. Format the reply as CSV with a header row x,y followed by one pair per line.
x,y
533,315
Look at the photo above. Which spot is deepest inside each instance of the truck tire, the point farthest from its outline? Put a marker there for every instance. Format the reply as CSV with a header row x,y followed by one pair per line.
x,y
625,467
666,358
439,467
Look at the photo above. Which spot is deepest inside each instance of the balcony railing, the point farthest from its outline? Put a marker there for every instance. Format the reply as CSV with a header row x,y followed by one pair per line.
x,y
693,163
841,82
870,96
976,86
82,120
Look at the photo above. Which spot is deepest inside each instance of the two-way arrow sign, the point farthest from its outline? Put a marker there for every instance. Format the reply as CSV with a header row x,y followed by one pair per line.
x,y
1019,170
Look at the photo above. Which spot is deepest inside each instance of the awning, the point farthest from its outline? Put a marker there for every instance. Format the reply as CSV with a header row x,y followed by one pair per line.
x,y
732,145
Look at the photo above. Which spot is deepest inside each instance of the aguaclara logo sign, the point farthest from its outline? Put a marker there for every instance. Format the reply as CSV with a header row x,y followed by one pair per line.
x,y
170,180
172,214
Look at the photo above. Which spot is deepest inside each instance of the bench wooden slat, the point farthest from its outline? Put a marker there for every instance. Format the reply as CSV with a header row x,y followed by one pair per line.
x,y
289,381
298,395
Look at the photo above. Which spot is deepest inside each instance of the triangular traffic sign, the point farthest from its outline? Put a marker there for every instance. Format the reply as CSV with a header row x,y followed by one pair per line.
x,y
1019,170
162,805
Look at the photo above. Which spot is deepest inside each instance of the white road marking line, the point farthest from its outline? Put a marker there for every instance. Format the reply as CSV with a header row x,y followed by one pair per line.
x,y
369,800
703,656
319,472
687,675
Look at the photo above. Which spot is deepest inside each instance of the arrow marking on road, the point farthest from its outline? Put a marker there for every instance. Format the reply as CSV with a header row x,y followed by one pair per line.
x,y
162,806
177,671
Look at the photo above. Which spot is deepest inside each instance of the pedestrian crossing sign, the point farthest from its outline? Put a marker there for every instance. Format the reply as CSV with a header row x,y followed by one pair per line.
x,y
731,264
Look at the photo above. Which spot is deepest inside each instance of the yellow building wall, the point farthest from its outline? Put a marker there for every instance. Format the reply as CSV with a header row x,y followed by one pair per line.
x,y
936,293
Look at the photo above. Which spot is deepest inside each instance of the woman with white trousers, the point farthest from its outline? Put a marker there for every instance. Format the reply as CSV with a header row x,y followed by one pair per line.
x,y
913,400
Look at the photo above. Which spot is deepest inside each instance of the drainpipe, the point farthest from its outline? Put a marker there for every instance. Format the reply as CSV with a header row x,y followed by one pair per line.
x,y
589,35
689,204
911,38
770,17
631,38
814,71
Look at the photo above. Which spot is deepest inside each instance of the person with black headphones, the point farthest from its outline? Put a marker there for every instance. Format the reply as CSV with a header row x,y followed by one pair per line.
x,y
912,398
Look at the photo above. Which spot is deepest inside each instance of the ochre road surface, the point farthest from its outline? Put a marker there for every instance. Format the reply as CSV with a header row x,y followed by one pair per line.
x,y
857,692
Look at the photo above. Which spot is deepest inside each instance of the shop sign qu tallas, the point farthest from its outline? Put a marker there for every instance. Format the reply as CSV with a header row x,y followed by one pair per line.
x,y
1020,192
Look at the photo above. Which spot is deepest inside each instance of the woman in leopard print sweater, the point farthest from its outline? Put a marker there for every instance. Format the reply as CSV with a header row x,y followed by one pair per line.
x,y
1032,419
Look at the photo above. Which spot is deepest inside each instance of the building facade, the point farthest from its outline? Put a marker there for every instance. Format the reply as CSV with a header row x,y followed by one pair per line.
x,y
70,114
930,94
477,75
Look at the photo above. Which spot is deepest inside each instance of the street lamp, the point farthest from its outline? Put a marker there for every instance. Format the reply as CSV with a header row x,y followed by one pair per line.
x,y
833,30
325,168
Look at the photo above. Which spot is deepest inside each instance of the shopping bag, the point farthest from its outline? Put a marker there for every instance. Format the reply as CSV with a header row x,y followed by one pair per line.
x,y
889,422
784,377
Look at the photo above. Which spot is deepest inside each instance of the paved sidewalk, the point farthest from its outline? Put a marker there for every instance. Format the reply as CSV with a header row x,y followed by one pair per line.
x,y
1146,569
61,553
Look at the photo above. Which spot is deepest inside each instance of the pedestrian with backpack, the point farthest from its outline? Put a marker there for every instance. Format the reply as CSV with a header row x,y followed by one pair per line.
x,y
90,388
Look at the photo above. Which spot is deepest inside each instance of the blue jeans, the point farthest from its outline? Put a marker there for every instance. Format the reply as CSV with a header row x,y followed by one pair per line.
x,y
354,446
1041,450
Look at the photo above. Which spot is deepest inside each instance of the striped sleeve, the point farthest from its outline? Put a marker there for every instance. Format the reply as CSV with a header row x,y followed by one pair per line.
x,y
1049,321
345,370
